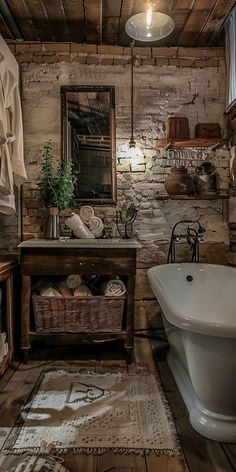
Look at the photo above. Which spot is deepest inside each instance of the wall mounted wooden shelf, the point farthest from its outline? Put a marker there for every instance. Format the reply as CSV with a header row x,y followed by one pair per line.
x,y
191,197
196,142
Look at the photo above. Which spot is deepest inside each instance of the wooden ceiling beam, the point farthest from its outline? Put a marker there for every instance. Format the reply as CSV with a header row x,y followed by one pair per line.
x,y
57,19
93,19
180,17
110,20
197,18
75,20
39,18
215,22
23,19
183,4
126,11
4,29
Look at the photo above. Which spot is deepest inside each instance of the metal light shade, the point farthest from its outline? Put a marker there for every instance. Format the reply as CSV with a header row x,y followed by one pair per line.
x,y
161,25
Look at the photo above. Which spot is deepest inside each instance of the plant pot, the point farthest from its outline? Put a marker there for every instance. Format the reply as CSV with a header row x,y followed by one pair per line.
x,y
52,228
179,182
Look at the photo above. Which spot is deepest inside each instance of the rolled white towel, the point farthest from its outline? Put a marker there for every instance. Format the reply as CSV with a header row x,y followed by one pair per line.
x,y
80,230
86,213
63,289
73,281
82,291
49,291
96,226
113,288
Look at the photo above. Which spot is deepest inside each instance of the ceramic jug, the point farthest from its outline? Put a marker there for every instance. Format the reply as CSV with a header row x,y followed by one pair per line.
x,y
179,182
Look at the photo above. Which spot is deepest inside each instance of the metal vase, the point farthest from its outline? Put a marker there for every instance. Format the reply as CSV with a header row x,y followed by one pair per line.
x,y
52,228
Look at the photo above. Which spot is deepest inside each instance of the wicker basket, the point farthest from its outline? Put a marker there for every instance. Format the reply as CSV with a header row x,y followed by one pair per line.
x,y
73,314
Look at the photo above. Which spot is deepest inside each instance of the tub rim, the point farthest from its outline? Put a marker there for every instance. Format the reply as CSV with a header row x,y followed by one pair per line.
x,y
181,320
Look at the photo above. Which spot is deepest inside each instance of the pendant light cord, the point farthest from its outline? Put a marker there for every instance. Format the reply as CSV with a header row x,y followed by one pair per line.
x,y
132,142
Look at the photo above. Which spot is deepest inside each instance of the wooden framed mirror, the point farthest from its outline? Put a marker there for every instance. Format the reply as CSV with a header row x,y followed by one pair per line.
x,y
88,139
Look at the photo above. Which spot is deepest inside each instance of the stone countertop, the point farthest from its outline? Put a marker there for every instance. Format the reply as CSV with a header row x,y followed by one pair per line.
x,y
80,243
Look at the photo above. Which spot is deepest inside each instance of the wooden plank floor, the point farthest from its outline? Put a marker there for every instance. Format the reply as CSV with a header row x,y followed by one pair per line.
x,y
199,454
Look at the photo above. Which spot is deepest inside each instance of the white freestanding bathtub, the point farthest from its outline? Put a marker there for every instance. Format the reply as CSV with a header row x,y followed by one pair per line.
x,y
198,304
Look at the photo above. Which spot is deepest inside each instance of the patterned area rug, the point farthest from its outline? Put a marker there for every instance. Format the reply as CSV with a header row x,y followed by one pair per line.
x,y
93,413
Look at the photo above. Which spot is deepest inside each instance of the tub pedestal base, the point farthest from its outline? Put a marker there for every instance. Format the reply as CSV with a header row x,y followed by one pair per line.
x,y
208,423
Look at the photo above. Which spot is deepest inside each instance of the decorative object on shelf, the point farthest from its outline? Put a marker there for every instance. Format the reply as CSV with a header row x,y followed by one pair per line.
x,y
126,217
205,178
207,130
149,25
57,187
179,182
177,128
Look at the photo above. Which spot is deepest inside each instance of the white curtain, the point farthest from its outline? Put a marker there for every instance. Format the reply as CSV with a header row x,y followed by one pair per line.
x,y
231,57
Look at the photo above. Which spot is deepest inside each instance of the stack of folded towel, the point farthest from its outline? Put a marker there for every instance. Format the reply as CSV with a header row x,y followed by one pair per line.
x,y
71,286
86,224
74,285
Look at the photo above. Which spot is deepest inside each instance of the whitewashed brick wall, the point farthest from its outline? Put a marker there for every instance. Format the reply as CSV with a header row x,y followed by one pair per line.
x,y
192,88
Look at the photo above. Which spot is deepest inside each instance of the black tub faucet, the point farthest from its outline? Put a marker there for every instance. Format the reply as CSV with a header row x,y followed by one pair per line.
x,y
193,235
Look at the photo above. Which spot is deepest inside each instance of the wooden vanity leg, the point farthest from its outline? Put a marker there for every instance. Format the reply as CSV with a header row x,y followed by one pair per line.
x,y
25,316
129,341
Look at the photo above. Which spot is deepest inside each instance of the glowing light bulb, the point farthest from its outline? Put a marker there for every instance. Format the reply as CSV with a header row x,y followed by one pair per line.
x,y
149,17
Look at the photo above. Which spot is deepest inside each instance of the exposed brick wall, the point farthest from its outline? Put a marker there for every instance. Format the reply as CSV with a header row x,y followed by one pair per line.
x,y
51,53
167,82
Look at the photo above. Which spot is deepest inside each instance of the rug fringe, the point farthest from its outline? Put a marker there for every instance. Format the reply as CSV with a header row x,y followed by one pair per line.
x,y
94,450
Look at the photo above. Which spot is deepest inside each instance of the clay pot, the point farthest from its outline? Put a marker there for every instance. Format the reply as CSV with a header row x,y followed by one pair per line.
x,y
179,182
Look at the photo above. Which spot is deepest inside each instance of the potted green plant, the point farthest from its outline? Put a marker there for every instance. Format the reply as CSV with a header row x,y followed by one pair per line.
x,y
57,189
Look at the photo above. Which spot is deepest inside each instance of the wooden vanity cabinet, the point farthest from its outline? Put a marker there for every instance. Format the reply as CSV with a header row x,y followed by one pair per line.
x,y
7,268
56,258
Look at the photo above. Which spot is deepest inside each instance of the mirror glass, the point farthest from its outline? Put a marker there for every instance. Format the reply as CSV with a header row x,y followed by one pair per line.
x,y
88,139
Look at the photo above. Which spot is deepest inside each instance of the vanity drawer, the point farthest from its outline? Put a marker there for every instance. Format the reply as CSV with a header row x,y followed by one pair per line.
x,y
78,261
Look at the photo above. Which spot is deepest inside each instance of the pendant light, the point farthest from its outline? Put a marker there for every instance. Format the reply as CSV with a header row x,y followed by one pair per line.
x,y
132,143
149,25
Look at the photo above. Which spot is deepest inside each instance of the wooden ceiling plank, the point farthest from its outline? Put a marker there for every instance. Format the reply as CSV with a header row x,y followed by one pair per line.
x,y
39,18
191,31
93,18
23,19
164,6
183,4
75,20
110,22
196,20
127,8
57,19
4,29
180,17
215,22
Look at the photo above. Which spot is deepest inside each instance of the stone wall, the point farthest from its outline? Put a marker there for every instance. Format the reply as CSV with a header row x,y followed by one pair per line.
x,y
167,82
